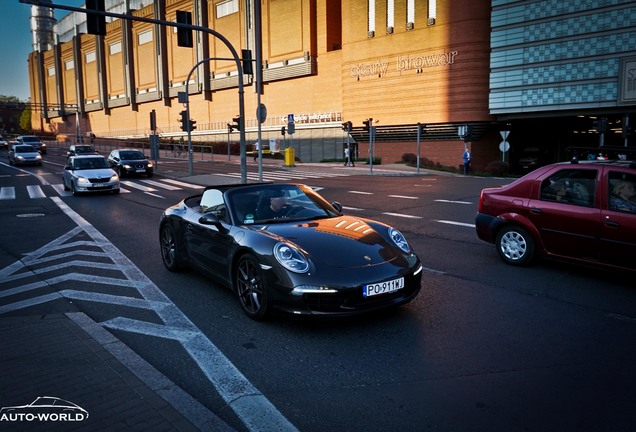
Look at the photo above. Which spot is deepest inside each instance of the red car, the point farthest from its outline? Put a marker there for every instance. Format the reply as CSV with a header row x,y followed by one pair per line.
x,y
581,211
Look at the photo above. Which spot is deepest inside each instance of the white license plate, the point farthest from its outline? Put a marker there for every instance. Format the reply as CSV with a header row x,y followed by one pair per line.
x,y
382,287
140,170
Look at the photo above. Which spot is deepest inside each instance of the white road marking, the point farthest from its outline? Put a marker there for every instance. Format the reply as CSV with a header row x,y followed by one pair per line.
x,y
361,192
161,185
404,196
35,191
183,184
138,186
249,404
456,223
402,215
7,192
452,202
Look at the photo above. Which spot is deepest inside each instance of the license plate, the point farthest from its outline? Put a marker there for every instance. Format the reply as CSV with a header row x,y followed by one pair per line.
x,y
140,170
382,287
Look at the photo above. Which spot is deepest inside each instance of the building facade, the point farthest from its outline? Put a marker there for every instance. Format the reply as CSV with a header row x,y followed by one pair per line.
x,y
544,70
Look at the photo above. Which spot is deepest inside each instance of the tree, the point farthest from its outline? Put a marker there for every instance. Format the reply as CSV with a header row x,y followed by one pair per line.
x,y
25,120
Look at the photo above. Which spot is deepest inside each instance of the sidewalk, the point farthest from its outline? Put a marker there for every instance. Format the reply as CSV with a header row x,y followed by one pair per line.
x,y
69,356
203,169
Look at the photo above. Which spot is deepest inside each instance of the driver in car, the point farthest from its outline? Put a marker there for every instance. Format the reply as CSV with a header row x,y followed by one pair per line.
x,y
274,205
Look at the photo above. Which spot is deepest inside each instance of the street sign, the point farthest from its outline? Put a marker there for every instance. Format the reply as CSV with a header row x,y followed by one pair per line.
x,y
290,119
182,97
504,145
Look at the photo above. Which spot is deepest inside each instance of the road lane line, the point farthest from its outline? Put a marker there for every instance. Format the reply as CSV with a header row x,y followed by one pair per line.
x,y
402,215
7,193
456,223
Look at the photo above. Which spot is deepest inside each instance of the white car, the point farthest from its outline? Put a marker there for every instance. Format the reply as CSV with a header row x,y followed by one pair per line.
x,y
90,173
22,154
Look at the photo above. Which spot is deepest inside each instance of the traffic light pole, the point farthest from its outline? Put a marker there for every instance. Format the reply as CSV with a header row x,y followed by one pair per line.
x,y
130,17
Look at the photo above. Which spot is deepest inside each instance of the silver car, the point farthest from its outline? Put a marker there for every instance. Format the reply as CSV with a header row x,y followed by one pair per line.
x,y
91,173
22,154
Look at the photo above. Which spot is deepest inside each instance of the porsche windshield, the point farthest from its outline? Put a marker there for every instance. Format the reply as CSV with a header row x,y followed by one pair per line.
x,y
277,203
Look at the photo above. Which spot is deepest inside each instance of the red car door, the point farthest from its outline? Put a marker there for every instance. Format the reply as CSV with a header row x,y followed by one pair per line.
x,y
568,222
618,227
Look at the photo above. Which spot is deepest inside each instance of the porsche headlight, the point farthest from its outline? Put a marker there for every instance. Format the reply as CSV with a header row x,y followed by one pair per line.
x,y
399,240
291,258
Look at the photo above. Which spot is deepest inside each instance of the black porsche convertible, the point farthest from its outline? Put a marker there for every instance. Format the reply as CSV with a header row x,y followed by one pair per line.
x,y
284,247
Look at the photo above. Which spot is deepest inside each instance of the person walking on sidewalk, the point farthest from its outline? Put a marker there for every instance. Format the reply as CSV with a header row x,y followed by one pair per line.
x,y
257,147
466,161
347,155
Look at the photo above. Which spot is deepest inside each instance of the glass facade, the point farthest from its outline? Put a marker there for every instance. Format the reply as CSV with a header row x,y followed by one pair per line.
x,y
559,55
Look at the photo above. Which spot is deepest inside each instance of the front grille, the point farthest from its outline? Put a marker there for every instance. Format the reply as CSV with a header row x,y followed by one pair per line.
x,y
100,180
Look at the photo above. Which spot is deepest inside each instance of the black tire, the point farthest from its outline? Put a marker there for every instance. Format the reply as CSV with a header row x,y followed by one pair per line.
x,y
515,245
170,254
150,174
250,287
74,191
64,184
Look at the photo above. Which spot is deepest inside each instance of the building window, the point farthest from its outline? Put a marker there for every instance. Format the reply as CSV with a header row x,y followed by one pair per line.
x,y
371,19
90,57
410,14
115,48
69,65
432,11
144,37
51,71
226,8
390,16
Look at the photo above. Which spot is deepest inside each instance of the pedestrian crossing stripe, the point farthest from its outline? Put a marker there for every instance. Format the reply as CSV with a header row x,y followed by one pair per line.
x,y
147,186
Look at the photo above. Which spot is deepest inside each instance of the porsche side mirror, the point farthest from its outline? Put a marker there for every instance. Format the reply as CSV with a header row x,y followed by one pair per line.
x,y
211,219
337,206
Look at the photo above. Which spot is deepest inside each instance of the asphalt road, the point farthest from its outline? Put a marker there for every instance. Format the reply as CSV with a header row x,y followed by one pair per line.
x,y
484,347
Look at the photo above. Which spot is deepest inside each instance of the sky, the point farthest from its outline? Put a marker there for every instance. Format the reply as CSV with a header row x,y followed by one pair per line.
x,y
15,47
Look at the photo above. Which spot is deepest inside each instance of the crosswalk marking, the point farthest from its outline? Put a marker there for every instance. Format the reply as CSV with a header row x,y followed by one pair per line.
x,y
35,191
161,185
7,192
138,186
182,184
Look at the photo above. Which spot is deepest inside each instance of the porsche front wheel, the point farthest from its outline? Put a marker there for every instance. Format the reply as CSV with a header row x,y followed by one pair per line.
x,y
250,287
169,249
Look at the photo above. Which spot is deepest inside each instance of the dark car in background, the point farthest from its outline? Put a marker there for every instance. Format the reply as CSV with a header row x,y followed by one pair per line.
x,y
305,258
579,211
128,162
32,140
22,154
81,149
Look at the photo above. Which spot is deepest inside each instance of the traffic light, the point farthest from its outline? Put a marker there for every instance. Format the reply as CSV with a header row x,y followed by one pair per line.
x,y
346,126
184,120
368,124
192,124
235,125
247,61
184,35
95,24
282,131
